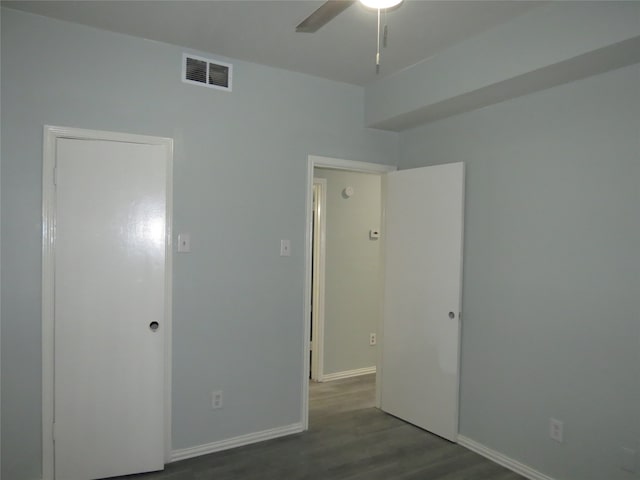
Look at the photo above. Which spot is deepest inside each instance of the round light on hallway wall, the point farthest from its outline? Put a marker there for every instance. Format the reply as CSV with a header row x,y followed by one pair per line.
x,y
380,4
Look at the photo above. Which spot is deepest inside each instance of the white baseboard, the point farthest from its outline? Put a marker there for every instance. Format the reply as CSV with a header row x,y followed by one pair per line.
x,y
196,451
347,374
501,459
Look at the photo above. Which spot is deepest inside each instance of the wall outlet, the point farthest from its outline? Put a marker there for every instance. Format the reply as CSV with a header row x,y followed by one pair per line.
x,y
285,248
216,399
184,243
556,430
372,339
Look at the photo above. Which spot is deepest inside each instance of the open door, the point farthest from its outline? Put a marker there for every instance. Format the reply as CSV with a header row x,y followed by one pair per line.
x,y
420,374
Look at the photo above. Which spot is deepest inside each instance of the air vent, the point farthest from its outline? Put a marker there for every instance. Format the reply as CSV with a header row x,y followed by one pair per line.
x,y
206,72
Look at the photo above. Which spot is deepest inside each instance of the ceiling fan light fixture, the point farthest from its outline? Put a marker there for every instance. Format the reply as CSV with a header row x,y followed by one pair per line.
x,y
380,4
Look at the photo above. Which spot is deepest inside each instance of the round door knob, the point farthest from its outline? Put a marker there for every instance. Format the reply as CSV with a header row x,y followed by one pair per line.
x,y
452,315
153,326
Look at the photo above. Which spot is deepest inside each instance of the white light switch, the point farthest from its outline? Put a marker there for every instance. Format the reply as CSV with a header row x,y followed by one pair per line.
x,y
184,243
628,459
285,248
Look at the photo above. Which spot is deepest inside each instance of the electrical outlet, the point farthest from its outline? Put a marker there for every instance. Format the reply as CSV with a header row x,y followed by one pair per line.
x,y
216,399
184,243
372,339
556,430
285,248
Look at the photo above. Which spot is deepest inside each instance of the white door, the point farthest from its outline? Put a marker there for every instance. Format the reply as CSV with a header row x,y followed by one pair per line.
x,y
422,298
110,253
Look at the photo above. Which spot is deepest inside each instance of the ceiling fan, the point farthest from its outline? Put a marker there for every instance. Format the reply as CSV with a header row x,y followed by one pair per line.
x,y
332,8
323,15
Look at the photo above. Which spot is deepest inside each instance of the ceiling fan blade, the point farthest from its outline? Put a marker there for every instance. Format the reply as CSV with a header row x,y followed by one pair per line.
x,y
327,11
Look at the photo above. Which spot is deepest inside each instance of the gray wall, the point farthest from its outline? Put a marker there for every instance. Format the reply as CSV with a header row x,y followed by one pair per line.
x,y
352,270
239,187
551,324
551,272
551,44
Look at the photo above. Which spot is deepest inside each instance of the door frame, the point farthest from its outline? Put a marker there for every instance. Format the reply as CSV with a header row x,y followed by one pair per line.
x,y
318,281
314,161
50,136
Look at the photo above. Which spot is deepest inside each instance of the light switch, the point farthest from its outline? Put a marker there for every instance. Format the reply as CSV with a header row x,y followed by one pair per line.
x,y
285,248
184,243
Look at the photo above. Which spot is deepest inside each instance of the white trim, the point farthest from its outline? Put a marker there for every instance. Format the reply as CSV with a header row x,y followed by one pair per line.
x,y
314,161
48,234
380,335
168,305
318,282
184,453
461,276
50,136
501,459
348,374
350,165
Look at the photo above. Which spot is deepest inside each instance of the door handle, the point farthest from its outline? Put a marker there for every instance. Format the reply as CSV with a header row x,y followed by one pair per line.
x,y
452,315
153,326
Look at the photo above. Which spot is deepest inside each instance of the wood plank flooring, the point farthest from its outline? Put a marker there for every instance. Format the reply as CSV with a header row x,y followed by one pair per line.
x,y
348,439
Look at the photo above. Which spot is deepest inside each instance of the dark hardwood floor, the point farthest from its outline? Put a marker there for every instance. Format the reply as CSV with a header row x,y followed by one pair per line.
x,y
348,439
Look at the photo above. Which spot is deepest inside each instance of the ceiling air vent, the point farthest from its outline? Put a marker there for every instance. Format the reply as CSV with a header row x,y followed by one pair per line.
x,y
206,72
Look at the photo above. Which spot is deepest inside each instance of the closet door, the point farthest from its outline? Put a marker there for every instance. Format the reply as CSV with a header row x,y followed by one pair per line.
x,y
110,252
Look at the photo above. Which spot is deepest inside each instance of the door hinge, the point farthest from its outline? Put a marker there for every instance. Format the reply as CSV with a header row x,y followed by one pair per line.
x,y
55,176
53,432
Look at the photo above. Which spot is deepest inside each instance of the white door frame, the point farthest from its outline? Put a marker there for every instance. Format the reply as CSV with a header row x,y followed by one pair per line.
x,y
51,134
319,250
314,161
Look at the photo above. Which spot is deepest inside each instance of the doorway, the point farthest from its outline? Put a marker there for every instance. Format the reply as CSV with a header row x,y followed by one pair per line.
x,y
318,165
349,273
106,303
421,299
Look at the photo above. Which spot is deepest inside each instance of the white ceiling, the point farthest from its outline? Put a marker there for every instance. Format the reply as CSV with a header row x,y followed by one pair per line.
x,y
263,31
